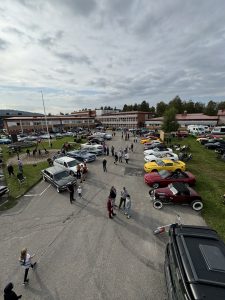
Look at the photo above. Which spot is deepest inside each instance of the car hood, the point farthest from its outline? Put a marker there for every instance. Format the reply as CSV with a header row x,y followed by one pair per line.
x,y
165,191
66,180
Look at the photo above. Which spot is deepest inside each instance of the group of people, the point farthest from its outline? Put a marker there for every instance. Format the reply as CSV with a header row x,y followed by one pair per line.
x,y
125,202
81,175
10,168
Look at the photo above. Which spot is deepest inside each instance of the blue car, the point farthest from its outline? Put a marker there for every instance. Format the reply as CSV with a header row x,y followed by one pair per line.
x,y
82,155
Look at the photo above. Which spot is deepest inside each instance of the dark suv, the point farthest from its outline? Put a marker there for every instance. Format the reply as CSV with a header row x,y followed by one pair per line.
x,y
59,177
194,264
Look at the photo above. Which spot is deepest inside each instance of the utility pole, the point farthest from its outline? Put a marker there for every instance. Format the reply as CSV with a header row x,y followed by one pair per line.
x,y
46,123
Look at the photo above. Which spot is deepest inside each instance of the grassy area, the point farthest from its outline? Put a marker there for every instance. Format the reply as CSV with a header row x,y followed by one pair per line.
x,y
31,172
210,175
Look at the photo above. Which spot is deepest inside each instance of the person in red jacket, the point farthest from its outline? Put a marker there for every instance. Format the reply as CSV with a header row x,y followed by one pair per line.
x,y
110,208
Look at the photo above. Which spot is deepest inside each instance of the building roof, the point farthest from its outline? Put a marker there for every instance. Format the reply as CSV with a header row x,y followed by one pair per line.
x,y
221,112
61,117
13,112
127,113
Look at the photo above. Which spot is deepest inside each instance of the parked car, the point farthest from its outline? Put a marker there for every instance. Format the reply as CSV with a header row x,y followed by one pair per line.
x,y
5,141
68,163
82,155
3,190
97,140
164,178
154,144
159,156
59,177
107,136
157,150
194,263
164,164
215,144
176,193
90,146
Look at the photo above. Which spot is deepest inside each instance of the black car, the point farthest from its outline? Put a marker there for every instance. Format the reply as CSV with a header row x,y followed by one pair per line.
x,y
82,155
194,264
3,190
215,144
59,177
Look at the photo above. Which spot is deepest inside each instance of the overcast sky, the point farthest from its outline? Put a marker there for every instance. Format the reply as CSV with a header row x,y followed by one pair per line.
x,y
92,53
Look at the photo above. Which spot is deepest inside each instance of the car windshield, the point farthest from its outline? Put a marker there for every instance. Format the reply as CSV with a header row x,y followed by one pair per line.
x,y
72,163
164,173
61,175
160,163
172,188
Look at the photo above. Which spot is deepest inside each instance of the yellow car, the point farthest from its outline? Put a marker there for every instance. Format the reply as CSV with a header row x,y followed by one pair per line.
x,y
164,164
143,141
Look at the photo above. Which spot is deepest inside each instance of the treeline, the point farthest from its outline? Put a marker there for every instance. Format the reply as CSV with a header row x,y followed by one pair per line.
x,y
211,108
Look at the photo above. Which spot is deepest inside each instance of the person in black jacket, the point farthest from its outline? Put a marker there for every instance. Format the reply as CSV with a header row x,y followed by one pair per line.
x,y
9,294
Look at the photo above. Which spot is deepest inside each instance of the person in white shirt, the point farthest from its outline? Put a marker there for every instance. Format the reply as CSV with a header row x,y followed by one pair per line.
x,y
126,156
79,191
26,262
127,207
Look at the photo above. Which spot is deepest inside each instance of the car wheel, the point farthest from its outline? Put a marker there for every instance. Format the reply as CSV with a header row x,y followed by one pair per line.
x,y
178,170
157,204
197,205
154,170
43,177
155,185
58,190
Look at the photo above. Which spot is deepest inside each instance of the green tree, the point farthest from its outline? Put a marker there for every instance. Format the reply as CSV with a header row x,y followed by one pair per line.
x,y
211,108
169,120
144,106
160,108
177,104
199,107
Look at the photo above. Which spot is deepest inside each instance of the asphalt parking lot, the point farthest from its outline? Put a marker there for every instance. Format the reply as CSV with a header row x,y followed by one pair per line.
x,y
81,253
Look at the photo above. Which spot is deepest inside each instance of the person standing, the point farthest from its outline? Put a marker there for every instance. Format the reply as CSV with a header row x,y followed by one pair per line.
x,y
110,208
112,150
116,158
132,147
79,191
20,166
26,262
104,163
120,156
84,172
124,194
107,150
70,189
112,195
127,206
126,156
10,169
78,171
9,294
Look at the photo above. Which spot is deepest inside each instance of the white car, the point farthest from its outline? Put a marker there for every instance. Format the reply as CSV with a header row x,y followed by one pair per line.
x,y
90,145
68,163
159,156
157,150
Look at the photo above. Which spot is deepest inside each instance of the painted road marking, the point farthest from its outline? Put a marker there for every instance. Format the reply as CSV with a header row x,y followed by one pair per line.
x,y
33,195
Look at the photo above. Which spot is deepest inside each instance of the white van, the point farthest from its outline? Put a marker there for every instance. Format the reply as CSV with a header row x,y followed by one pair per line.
x,y
218,130
196,129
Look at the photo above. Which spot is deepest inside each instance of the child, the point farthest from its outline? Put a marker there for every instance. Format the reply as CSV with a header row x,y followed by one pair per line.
x,y
127,206
79,191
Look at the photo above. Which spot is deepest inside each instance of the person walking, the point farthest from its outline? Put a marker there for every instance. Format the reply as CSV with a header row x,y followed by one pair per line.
x,y
127,206
124,194
70,188
84,172
9,294
26,262
104,163
110,208
112,195
126,156
10,169
79,191
120,156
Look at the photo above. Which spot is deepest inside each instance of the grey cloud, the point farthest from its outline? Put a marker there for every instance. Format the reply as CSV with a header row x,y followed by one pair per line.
x,y
14,31
79,7
50,40
72,58
3,44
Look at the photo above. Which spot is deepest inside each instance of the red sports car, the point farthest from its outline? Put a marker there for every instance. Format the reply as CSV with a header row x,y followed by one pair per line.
x,y
163,178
